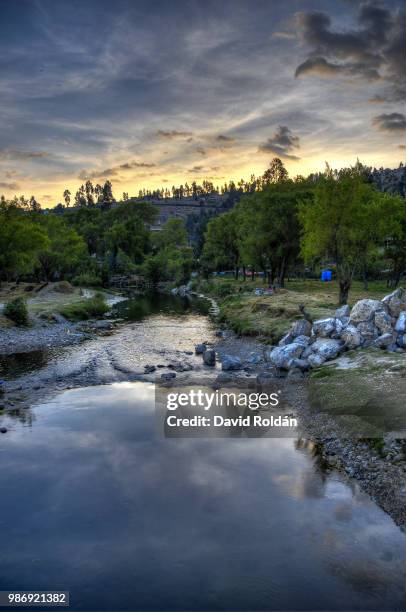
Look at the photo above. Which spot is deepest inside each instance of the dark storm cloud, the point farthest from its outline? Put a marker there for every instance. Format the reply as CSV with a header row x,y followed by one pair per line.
x,y
374,49
282,143
390,122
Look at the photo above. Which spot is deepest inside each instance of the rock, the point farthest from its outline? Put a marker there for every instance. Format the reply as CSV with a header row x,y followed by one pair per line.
x,y
394,348
384,341
255,358
3,429
401,341
307,351
368,330
315,359
200,348
209,357
395,302
229,362
287,339
301,364
401,322
148,369
351,337
102,325
343,312
295,373
302,340
265,378
327,347
364,310
282,356
301,327
383,322
324,327
57,318
223,378
168,375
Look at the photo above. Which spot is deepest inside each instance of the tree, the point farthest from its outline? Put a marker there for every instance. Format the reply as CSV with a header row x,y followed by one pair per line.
x,y
393,231
276,173
21,241
63,251
107,193
66,197
221,243
339,225
89,189
34,205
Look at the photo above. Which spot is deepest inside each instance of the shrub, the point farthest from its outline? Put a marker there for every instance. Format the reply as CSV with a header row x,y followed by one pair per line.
x,y
16,310
87,279
63,287
93,307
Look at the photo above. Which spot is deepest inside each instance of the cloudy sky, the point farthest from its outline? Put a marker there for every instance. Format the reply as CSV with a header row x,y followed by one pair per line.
x,y
154,93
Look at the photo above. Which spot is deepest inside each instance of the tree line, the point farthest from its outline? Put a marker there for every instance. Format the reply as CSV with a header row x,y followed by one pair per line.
x,y
337,218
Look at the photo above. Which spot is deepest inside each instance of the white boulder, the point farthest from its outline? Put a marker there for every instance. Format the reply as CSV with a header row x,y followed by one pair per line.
x,y
401,322
315,360
282,356
351,337
343,312
324,327
327,347
302,327
364,310
383,322
395,302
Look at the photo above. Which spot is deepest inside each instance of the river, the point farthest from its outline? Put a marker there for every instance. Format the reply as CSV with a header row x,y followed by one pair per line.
x,y
94,502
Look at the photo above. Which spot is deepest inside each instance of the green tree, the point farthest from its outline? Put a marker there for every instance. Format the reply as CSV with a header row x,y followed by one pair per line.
x,y
338,224
64,251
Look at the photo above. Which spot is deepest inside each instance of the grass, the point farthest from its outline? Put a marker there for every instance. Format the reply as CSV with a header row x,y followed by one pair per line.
x,y
86,309
271,316
370,388
46,300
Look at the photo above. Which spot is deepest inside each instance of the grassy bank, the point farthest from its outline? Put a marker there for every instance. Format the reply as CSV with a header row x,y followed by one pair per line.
x,y
364,389
270,316
75,303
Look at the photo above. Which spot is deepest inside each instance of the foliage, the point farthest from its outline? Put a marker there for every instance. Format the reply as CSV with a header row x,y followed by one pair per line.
x,y
93,307
172,258
87,279
64,251
16,310
21,241
340,224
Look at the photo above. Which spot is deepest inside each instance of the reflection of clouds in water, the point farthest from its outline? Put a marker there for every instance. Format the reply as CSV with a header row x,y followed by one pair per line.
x,y
231,520
343,512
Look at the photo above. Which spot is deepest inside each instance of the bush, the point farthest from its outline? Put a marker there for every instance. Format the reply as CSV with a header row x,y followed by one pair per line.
x,y
87,279
63,287
16,310
86,309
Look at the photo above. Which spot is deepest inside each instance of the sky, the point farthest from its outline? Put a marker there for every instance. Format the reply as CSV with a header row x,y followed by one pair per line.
x,y
154,93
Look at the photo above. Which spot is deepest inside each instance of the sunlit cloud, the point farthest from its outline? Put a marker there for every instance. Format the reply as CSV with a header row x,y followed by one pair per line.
x,y
164,89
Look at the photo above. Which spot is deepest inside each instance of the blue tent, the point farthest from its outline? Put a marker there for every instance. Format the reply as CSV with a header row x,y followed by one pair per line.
x,y
326,275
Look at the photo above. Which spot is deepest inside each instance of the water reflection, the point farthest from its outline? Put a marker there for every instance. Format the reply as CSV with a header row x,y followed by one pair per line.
x,y
157,303
93,502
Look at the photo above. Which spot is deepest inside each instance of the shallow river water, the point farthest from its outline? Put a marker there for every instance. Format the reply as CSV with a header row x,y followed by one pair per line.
x,y
94,502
